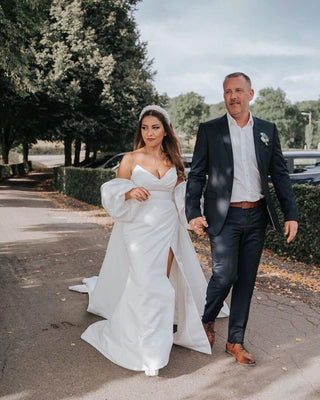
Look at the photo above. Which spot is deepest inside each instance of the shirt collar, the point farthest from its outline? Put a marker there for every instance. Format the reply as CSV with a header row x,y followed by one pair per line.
x,y
232,121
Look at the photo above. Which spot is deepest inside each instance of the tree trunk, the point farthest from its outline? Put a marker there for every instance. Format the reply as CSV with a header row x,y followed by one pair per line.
x,y
67,151
94,157
87,155
25,146
5,146
77,149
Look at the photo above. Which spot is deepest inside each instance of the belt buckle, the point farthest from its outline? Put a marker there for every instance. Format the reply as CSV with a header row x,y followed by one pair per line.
x,y
243,204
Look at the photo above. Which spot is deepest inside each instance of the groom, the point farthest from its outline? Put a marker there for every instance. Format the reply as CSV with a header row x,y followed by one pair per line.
x,y
236,153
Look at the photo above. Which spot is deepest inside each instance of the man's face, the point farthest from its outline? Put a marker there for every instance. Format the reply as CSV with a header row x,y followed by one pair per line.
x,y
237,95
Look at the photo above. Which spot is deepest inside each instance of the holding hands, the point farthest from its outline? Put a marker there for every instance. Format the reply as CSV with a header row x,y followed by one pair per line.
x,y
198,225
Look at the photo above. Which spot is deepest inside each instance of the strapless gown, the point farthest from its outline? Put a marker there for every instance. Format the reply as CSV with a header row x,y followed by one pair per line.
x,y
132,291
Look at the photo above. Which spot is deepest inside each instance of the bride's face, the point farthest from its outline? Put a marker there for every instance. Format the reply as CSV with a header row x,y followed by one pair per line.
x,y
152,131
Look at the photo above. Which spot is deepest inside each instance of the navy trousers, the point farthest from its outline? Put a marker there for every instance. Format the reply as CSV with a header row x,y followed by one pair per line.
x,y
236,254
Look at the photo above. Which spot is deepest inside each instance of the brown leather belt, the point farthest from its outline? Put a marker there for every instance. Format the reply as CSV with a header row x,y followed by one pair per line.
x,y
247,204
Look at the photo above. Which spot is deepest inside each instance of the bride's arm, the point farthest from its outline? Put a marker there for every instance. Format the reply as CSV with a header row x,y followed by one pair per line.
x,y
125,167
124,172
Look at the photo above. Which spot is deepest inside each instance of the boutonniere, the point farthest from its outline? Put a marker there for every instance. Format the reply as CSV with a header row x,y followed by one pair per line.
x,y
264,138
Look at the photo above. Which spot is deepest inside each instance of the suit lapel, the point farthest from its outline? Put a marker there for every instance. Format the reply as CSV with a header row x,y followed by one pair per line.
x,y
257,143
227,138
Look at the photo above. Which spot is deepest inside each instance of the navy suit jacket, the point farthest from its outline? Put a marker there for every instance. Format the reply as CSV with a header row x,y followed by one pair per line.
x,y
213,158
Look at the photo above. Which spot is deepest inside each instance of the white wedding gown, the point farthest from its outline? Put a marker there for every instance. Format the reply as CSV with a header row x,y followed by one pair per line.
x,y
132,291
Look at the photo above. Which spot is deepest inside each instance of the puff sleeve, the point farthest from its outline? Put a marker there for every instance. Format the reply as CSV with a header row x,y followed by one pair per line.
x,y
113,199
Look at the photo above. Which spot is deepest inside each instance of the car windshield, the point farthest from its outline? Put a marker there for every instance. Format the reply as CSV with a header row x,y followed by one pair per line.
x,y
114,161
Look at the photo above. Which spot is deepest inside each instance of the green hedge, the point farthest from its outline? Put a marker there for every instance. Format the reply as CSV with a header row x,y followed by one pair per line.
x,y
5,171
82,183
9,170
306,245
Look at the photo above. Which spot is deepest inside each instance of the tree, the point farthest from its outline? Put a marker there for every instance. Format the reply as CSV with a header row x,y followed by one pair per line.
x,y
272,105
20,22
72,69
131,79
217,110
186,112
294,126
91,61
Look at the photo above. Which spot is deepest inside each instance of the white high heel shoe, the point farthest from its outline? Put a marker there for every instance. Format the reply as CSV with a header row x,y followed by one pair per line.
x,y
151,372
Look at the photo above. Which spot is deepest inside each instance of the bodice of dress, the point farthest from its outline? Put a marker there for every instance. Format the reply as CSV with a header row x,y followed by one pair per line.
x,y
142,177
113,194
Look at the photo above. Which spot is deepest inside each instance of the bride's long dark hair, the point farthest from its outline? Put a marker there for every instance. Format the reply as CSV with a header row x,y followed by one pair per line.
x,y
170,142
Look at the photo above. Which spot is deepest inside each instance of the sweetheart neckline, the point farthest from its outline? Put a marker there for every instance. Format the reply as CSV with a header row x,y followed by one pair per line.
x,y
145,169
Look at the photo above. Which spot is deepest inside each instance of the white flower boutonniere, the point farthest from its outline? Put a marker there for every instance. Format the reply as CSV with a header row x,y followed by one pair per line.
x,y
264,138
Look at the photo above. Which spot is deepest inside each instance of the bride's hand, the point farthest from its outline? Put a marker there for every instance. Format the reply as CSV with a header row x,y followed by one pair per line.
x,y
139,193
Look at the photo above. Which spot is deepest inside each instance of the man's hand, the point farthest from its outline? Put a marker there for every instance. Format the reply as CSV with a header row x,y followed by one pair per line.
x,y
290,230
198,225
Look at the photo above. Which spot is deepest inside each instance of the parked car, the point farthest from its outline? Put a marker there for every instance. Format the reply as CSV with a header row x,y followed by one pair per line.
x,y
113,162
94,163
303,166
187,160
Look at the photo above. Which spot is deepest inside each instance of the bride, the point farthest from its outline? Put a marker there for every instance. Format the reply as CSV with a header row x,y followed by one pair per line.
x,y
151,279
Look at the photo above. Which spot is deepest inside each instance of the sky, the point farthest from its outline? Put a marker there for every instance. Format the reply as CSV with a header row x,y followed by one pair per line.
x,y
195,43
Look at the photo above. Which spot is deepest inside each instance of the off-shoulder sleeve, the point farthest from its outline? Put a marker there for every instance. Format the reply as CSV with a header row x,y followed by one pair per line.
x,y
179,199
113,199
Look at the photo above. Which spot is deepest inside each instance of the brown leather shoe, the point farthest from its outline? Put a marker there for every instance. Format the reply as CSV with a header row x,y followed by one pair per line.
x,y
240,353
210,332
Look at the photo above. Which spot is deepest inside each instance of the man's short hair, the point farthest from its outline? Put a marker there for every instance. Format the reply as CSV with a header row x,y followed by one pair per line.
x,y
235,75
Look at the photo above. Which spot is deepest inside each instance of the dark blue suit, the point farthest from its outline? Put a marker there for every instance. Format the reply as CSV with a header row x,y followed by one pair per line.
x,y
236,235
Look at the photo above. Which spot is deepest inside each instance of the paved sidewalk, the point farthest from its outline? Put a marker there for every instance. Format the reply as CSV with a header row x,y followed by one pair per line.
x,y
44,249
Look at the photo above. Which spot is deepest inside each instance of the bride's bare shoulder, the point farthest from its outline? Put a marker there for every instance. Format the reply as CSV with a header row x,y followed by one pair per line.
x,y
128,162
128,157
137,156
125,167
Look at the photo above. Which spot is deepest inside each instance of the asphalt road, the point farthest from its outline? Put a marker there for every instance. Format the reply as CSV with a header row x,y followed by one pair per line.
x,y
44,249
51,160
48,160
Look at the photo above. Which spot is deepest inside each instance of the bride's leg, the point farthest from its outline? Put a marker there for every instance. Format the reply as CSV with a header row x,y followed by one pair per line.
x,y
169,264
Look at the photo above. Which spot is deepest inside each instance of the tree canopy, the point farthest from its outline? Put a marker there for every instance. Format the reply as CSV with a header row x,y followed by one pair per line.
x,y
20,22
271,104
186,112
91,60
83,67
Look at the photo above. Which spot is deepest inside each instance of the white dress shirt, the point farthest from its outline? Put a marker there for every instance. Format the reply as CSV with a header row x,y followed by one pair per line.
x,y
246,181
